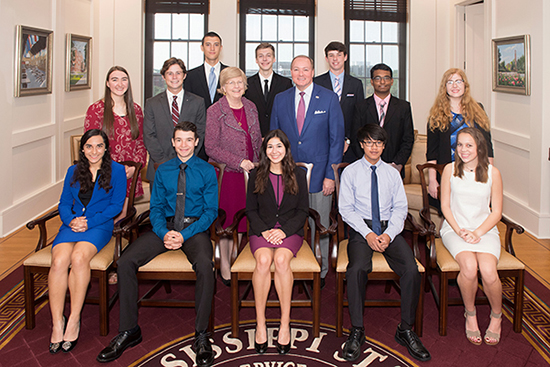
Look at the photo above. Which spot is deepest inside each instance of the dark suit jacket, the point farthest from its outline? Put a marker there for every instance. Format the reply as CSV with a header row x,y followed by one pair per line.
x,y
196,83
263,212
397,123
158,127
322,139
255,93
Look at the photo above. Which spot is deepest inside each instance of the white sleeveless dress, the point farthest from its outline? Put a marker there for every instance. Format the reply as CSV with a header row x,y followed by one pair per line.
x,y
470,202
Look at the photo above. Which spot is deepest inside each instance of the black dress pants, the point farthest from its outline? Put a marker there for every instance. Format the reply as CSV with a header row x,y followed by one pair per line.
x,y
401,260
199,252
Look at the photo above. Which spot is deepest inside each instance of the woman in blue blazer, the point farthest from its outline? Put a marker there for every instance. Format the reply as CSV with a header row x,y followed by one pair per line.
x,y
277,206
93,195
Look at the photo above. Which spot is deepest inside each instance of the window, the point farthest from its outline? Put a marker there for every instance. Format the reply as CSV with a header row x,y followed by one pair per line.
x,y
172,29
376,32
286,24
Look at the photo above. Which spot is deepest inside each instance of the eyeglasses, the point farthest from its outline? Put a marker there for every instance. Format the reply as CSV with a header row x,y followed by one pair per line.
x,y
458,82
370,143
379,78
232,83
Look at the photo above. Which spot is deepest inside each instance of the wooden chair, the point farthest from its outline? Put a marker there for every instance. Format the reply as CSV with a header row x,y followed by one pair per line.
x,y
306,267
174,265
101,264
441,264
380,268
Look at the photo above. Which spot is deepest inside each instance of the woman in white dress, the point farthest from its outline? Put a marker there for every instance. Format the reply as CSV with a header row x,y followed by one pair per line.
x,y
471,201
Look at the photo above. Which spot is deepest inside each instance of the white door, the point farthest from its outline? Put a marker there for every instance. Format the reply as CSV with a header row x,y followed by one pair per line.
x,y
474,51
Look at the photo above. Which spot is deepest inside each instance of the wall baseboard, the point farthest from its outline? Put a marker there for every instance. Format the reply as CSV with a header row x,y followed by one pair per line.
x,y
535,223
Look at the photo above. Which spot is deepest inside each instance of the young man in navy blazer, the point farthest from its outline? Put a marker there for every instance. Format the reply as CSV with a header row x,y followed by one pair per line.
x,y
317,139
265,84
348,88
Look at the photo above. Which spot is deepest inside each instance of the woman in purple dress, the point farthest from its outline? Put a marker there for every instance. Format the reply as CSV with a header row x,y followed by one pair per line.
x,y
277,208
232,137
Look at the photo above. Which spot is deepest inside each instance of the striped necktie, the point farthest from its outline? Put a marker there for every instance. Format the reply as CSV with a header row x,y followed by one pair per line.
x,y
337,88
382,113
175,111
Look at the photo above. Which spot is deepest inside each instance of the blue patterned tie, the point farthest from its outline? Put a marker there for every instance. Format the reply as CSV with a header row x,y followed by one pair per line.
x,y
212,84
375,207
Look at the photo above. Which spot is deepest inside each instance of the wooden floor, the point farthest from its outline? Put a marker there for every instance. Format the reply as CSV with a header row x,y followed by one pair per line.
x,y
535,253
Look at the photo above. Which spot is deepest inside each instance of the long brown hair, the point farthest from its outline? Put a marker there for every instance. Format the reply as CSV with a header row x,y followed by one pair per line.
x,y
440,113
82,172
482,168
288,165
109,117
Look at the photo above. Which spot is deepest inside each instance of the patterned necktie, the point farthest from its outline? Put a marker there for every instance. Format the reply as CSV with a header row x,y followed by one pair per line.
x,y
337,88
175,111
212,84
266,89
375,206
382,113
179,216
301,114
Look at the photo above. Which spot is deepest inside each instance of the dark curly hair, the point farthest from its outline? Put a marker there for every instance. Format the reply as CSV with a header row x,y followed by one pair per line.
x,y
288,165
82,172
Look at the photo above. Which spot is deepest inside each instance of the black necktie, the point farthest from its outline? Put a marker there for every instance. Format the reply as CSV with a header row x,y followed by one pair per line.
x,y
179,216
266,89
375,206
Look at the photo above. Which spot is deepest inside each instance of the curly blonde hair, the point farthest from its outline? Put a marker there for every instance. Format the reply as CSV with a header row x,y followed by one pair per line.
x,y
440,113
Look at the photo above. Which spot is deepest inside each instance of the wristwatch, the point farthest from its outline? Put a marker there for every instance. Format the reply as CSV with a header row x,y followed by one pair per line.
x,y
347,141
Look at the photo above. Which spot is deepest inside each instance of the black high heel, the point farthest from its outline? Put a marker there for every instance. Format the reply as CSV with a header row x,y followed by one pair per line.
x,y
282,349
260,348
56,347
67,346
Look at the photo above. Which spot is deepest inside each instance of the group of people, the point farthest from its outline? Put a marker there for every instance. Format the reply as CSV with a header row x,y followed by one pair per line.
x,y
262,125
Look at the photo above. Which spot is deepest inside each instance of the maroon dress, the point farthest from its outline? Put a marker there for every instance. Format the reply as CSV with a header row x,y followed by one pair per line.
x,y
121,144
294,242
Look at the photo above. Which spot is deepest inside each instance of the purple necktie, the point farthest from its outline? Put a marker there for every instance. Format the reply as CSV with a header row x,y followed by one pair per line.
x,y
301,114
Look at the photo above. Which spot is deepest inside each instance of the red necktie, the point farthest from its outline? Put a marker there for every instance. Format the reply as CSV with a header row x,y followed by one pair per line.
x,y
175,111
301,115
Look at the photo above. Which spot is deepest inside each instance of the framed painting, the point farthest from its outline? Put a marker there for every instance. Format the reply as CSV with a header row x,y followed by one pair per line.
x,y
511,65
33,61
78,62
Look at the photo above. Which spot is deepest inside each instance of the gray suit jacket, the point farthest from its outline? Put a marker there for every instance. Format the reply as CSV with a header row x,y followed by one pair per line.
x,y
158,127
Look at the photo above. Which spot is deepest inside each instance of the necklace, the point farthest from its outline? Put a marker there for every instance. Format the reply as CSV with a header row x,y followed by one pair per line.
x,y
240,118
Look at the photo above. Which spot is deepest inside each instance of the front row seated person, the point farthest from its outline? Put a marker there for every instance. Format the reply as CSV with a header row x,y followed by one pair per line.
x,y
185,181
93,195
373,203
277,205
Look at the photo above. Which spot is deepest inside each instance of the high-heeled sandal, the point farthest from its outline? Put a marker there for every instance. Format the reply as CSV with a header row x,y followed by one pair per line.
x,y
56,347
474,336
490,334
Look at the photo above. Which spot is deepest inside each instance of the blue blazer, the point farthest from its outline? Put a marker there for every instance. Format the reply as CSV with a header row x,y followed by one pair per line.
x,y
322,139
103,206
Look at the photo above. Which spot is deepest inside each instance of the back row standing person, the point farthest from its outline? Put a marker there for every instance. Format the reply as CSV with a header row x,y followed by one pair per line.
x,y
166,110
122,121
389,112
311,117
265,84
204,80
348,88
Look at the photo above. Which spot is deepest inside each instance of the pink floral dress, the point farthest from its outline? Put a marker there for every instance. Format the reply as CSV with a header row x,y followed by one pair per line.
x,y
122,146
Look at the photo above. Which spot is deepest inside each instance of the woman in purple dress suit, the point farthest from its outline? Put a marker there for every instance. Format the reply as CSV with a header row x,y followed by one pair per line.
x,y
277,206
232,137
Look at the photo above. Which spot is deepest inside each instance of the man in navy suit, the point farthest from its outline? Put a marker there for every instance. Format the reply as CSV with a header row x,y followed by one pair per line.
x,y
160,119
311,117
265,85
389,112
348,88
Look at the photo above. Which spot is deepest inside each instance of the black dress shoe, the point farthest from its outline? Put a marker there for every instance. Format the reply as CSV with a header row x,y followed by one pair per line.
x,y
352,347
204,356
260,348
56,347
119,344
409,339
323,283
282,349
67,346
226,282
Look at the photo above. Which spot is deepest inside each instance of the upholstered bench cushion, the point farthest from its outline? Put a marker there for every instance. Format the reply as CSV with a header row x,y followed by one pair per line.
x,y
447,263
379,263
170,261
414,196
101,261
303,262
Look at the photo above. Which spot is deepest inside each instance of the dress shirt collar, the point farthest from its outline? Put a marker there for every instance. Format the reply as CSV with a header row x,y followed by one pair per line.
x,y
368,164
262,80
308,91
190,161
340,79
377,100
207,68
171,98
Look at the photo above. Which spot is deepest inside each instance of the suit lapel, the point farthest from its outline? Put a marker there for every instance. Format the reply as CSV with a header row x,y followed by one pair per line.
x,y
163,100
313,103
371,108
204,82
392,107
